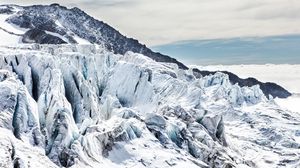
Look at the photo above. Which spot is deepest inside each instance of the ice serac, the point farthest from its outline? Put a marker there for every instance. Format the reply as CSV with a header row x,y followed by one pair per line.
x,y
56,117
19,110
83,105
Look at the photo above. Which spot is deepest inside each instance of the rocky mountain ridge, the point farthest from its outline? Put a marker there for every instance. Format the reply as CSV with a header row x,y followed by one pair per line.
x,y
55,24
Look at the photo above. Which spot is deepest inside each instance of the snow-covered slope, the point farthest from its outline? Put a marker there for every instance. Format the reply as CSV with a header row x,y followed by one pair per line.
x,y
83,106
12,33
9,34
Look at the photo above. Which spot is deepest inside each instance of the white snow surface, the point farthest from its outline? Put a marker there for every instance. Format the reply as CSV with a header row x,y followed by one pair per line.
x,y
82,106
6,30
291,103
7,38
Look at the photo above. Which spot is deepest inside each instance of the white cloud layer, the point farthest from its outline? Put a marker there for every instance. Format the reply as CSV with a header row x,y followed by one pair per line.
x,y
156,22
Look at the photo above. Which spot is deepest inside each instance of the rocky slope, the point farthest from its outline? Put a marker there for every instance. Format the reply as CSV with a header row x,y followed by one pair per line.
x,y
56,24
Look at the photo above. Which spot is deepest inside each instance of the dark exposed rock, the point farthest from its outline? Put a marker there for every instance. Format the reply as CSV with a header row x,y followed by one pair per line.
x,y
18,163
39,36
66,158
8,10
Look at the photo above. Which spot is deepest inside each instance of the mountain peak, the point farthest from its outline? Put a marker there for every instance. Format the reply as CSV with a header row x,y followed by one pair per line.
x,y
56,24
74,26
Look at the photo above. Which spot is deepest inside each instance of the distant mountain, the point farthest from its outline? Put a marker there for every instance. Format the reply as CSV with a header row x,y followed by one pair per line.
x,y
55,24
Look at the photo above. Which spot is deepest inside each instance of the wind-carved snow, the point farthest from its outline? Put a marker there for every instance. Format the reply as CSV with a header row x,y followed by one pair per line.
x,y
86,107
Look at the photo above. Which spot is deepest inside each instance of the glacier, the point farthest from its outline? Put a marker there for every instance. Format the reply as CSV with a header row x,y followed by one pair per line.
x,y
84,106
74,92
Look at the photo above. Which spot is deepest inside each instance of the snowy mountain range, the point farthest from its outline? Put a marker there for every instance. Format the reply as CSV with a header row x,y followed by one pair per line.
x,y
77,93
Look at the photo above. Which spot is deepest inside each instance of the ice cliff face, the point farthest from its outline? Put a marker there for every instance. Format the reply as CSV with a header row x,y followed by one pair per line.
x,y
81,105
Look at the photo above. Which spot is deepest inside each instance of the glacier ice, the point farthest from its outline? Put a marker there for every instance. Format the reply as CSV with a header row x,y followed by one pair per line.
x,y
81,105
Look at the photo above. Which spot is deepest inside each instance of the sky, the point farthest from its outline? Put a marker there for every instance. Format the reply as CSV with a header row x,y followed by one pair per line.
x,y
160,22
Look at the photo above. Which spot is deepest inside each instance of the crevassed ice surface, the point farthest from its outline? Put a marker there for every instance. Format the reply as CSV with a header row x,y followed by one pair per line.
x,y
82,106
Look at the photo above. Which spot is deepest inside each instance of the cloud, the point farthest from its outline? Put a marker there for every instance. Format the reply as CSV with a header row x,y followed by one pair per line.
x,y
102,3
158,22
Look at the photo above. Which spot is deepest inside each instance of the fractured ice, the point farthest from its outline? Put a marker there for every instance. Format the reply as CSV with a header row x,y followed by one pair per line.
x,y
85,106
